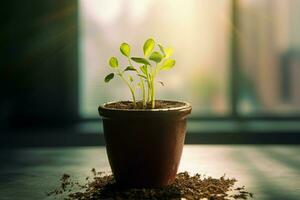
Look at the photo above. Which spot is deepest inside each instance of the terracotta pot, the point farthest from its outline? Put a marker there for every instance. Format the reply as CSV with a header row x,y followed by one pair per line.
x,y
144,146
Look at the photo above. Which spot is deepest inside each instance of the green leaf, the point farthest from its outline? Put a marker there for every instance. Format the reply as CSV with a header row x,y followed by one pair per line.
x,y
162,50
168,52
130,78
144,69
140,75
130,68
109,77
125,49
113,62
167,64
140,60
148,47
156,57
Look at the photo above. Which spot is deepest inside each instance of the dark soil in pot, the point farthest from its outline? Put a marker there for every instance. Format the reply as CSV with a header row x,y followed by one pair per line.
x,y
159,104
144,146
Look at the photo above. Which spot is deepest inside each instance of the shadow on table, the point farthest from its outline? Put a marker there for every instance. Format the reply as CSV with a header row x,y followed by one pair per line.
x,y
287,159
270,189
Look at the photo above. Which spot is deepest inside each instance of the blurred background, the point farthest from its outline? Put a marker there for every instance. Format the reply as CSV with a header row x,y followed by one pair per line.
x,y
237,63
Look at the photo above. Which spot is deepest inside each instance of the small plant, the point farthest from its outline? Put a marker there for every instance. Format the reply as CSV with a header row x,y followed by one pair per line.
x,y
145,72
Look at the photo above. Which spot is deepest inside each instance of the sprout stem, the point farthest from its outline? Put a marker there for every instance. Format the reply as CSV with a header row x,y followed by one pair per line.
x,y
142,85
153,87
152,95
149,88
143,93
130,88
149,92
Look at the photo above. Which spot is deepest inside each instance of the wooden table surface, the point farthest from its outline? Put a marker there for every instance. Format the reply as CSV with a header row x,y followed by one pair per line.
x,y
270,172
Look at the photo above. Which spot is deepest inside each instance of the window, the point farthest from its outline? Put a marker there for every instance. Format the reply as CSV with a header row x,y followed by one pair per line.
x,y
269,44
264,60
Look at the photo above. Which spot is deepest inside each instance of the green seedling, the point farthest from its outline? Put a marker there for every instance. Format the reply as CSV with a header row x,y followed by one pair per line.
x,y
145,72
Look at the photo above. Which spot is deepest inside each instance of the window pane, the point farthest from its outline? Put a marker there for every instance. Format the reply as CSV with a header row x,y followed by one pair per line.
x,y
198,30
269,56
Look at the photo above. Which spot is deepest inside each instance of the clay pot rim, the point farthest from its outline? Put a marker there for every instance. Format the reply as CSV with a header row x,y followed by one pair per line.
x,y
186,106
162,113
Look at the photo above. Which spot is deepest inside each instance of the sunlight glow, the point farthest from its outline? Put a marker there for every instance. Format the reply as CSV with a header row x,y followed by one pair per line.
x,y
196,29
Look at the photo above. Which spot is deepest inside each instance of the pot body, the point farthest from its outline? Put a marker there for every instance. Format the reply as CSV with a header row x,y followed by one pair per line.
x,y
144,147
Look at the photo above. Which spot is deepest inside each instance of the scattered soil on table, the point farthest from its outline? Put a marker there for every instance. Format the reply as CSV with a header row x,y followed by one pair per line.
x,y
186,187
159,104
